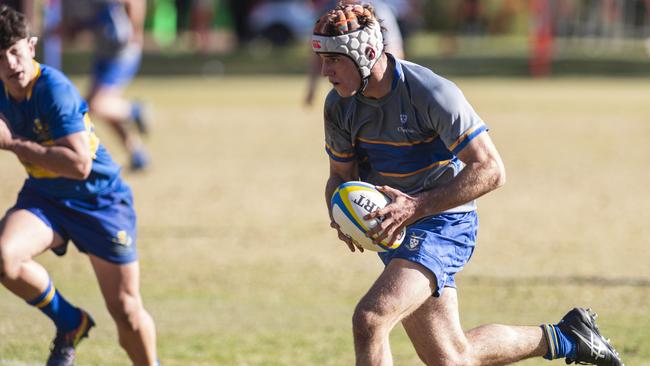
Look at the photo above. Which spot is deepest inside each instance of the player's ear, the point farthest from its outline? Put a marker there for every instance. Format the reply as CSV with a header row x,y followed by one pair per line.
x,y
31,42
370,53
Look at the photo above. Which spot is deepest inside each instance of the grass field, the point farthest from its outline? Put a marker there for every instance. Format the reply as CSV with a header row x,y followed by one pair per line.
x,y
239,266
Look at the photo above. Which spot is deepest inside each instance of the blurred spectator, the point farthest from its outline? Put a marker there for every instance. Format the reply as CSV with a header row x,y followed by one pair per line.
x,y
281,22
471,17
408,14
117,27
392,38
541,38
239,10
467,18
196,16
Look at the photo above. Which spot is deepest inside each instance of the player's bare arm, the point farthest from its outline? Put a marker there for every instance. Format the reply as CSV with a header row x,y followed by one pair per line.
x,y
68,156
484,172
5,134
340,172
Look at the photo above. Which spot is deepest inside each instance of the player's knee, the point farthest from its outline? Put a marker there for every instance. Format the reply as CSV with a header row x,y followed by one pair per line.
x,y
368,321
9,262
125,310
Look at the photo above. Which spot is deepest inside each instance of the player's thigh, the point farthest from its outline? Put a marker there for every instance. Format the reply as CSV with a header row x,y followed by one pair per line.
x,y
23,235
435,329
401,288
119,283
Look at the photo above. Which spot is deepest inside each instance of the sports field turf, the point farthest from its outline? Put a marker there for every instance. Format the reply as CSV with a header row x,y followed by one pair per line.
x,y
239,266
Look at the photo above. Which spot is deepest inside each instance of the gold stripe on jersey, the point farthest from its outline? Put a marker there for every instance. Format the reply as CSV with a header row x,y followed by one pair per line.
x,y
393,143
402,175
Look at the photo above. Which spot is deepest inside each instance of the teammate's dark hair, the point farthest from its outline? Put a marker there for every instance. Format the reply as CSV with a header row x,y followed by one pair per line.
x,y
13,27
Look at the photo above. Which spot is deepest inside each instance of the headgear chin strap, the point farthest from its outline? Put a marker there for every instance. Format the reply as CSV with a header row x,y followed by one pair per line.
x,y
356,45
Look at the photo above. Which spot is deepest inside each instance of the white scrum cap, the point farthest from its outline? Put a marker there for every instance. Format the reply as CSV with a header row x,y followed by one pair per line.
x,y
356,45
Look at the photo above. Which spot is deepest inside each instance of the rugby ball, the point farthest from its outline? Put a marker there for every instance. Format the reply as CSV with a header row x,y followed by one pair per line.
x,y
350,203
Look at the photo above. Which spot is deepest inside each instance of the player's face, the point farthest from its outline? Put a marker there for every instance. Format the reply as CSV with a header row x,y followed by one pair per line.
x,y
16,66
342,73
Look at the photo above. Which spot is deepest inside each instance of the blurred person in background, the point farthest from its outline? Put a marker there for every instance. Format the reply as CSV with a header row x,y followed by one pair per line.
x,y
542,38
117,27
408,14
73,192
195,16
414,135
390,30
239,11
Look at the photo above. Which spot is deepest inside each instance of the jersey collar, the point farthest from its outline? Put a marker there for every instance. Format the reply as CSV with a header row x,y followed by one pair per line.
x,y
30,86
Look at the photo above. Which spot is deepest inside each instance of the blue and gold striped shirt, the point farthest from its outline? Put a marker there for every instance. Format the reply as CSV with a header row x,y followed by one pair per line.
x,y
408,139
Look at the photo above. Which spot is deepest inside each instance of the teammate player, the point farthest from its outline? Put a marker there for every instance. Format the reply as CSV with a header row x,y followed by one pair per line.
x,y
73,192
118,27
413,134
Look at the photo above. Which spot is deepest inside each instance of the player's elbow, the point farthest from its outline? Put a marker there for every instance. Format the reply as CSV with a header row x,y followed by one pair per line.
x,y
82,169
495,173
499,174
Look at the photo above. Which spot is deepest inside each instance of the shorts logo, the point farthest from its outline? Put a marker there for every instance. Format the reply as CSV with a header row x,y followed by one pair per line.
x,y
414,242
122,238
403,118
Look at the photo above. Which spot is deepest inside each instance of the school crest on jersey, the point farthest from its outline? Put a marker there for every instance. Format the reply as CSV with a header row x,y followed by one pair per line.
x,y
42,131
403,119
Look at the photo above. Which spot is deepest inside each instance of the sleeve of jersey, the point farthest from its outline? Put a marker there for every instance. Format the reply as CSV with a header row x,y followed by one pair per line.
x,y
61,107
338,141
454,118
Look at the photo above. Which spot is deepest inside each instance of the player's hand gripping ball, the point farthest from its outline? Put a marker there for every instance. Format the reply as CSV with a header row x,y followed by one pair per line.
x,y
350,203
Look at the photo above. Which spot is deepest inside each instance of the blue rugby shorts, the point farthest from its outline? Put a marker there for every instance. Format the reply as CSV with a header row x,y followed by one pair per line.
x,y
119,69
443,244
103,225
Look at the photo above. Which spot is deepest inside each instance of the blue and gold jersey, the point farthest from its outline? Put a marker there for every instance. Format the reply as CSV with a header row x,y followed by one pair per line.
x,y
410,138
53,109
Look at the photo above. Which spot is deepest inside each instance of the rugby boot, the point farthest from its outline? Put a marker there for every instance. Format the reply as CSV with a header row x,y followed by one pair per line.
x,y
62,350
591,347
139,160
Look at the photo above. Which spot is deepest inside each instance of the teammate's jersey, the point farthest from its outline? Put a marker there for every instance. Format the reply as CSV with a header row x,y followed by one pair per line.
x,y
53,109
107,19
408,139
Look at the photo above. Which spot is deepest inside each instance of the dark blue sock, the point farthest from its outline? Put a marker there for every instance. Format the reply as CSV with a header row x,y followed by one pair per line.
x,y
559,344
56,307
136,111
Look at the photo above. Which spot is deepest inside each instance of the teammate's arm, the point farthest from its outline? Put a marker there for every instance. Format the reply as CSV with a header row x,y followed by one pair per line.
x,y
340,172
68,156
484,171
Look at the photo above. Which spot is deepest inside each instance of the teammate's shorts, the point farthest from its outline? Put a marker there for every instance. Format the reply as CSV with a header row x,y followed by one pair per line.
x,y
103,225
117,70
443,244
117,59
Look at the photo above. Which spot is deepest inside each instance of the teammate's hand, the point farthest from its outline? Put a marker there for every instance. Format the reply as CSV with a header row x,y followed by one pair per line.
x,y
345,238
6,137
392,218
